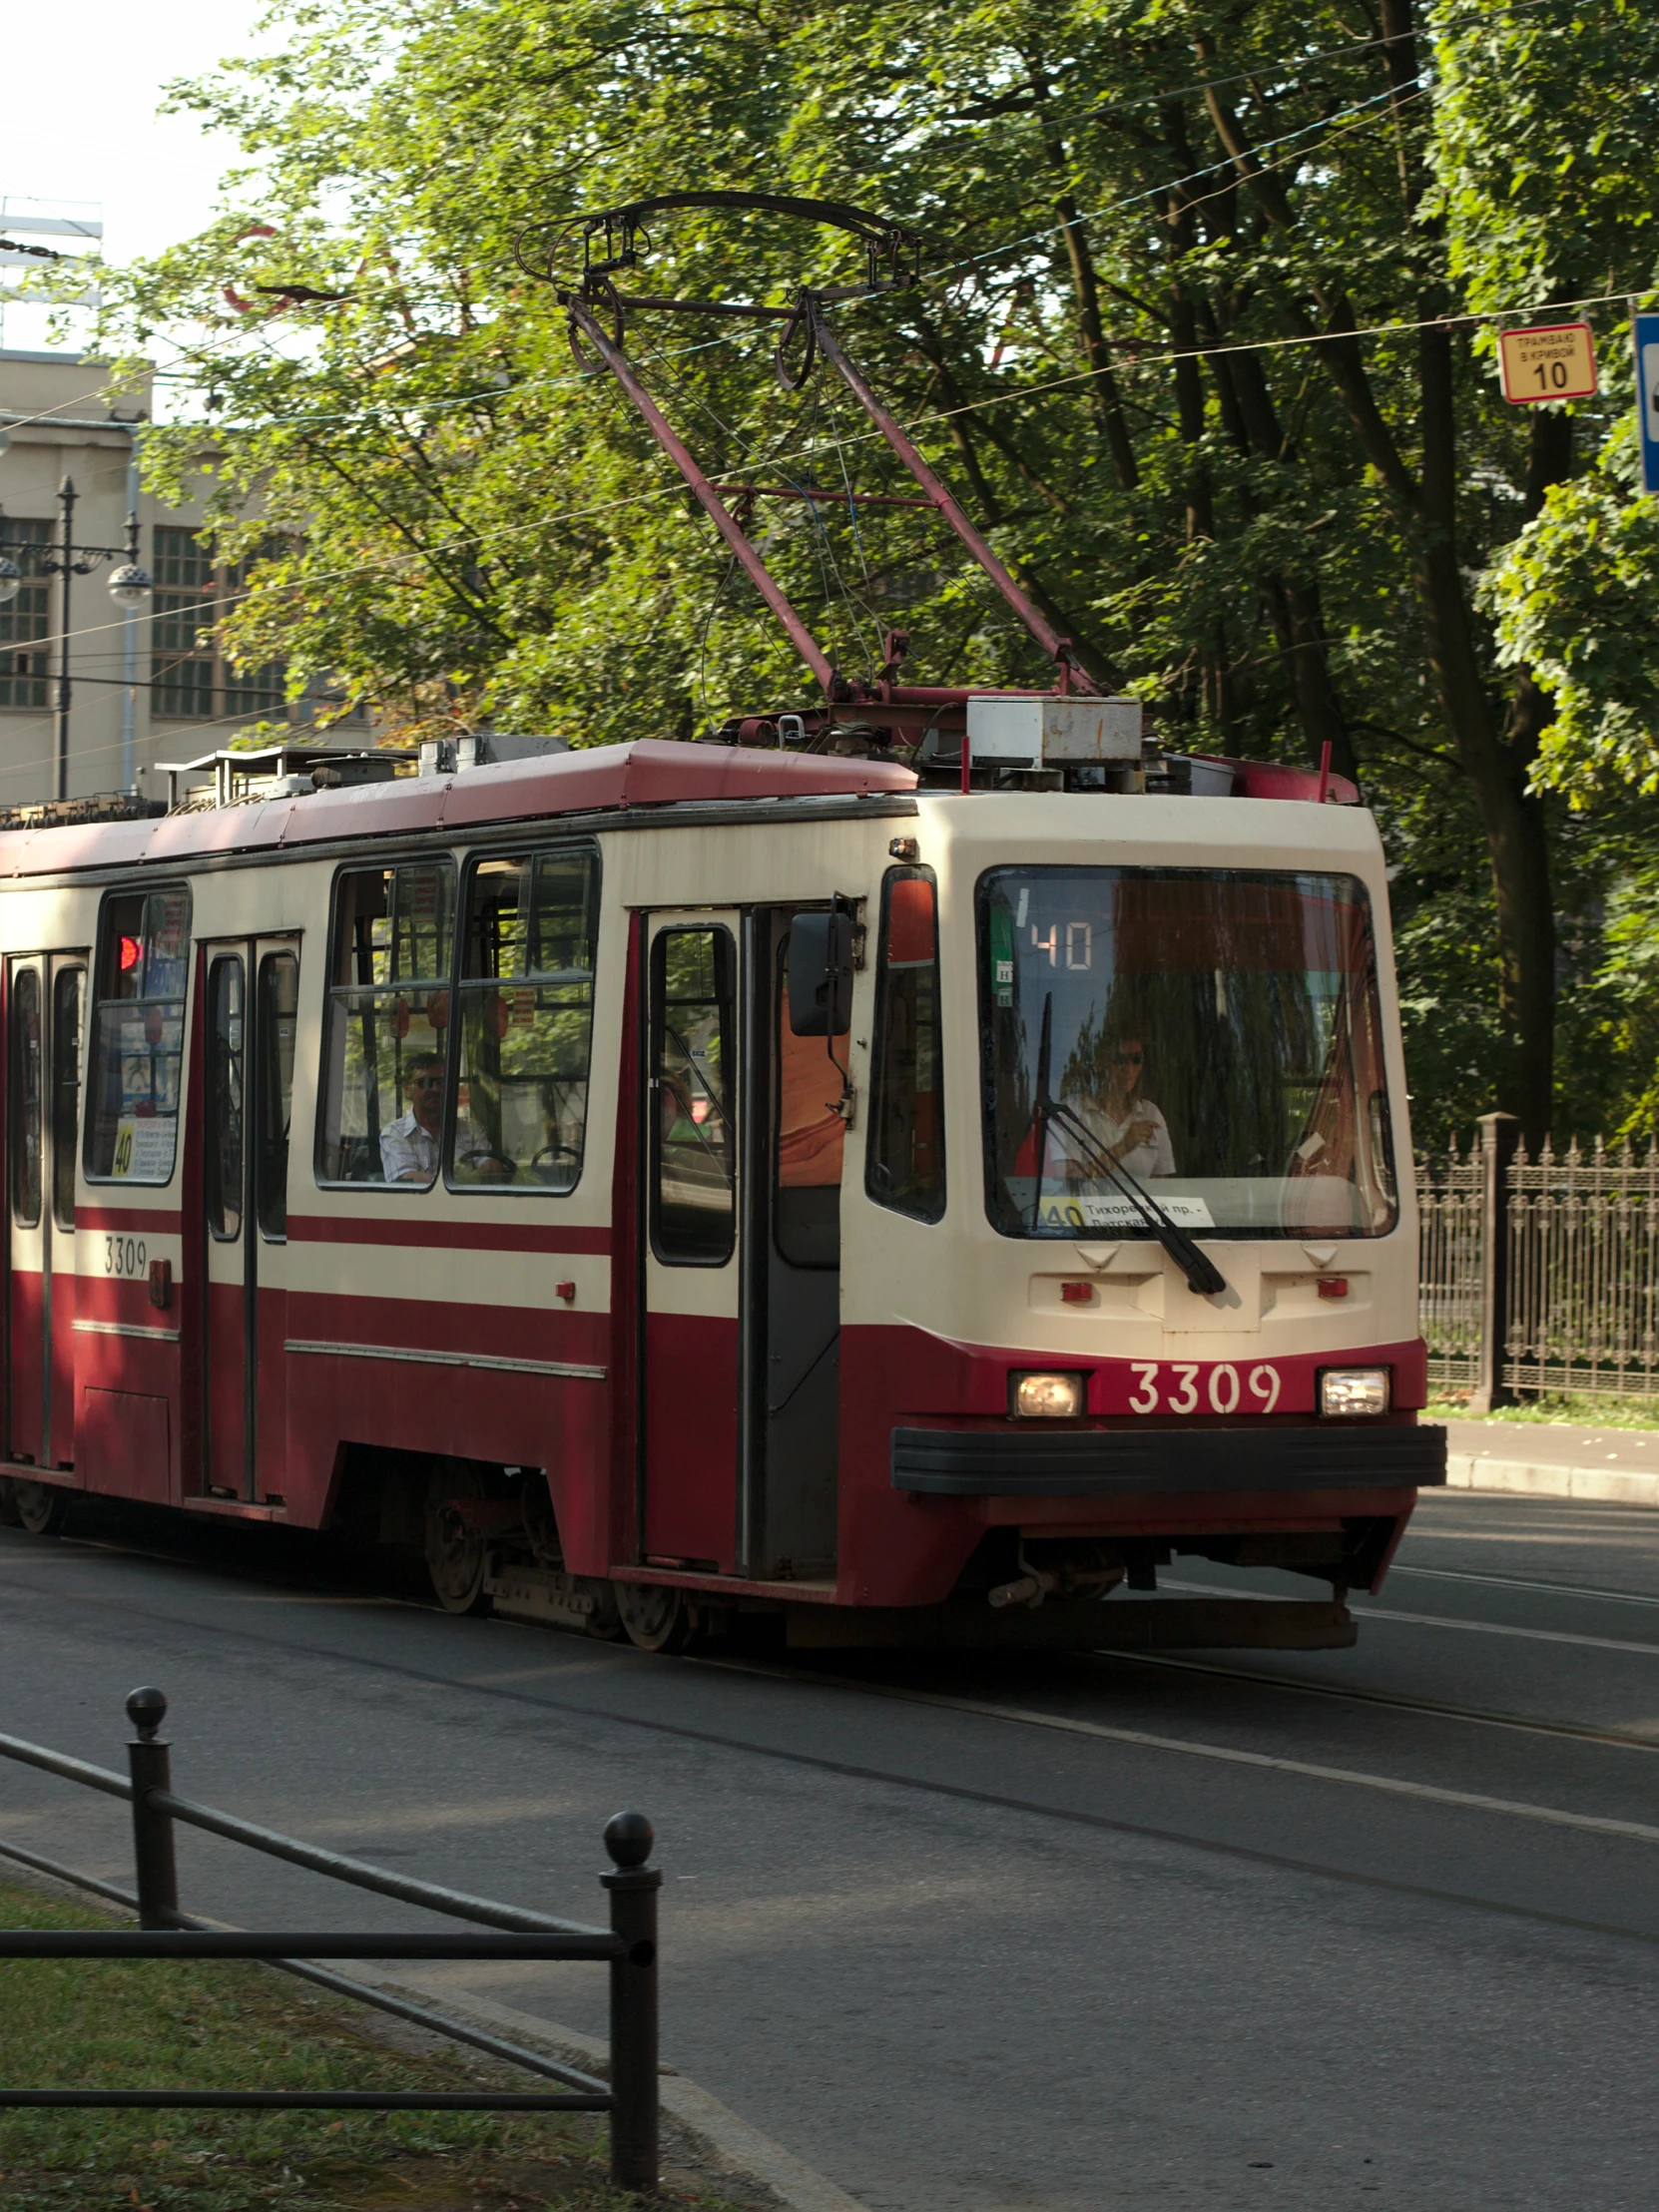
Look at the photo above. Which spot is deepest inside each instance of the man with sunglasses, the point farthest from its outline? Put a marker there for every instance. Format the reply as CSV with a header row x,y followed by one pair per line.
x,y
409,1145
1126,1126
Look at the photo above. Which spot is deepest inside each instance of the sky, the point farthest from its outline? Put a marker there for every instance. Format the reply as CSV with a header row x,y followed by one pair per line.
x,y
87,138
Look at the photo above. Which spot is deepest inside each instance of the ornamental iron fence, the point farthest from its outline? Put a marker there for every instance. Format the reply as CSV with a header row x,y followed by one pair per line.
x,y
1539,1272
1451,1252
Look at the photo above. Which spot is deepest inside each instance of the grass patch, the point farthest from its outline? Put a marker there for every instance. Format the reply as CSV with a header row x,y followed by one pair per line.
x,y
1572,1412
218,2024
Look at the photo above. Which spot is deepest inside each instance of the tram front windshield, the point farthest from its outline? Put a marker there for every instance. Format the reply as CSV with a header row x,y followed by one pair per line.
x,y
1210,1037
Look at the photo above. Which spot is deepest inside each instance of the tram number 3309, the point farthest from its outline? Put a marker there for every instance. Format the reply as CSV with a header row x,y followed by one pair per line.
x,y
1223,1391
123,1256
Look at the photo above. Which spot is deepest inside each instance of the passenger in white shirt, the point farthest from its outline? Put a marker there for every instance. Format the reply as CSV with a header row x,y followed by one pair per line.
x,y
1128,1128
409,1145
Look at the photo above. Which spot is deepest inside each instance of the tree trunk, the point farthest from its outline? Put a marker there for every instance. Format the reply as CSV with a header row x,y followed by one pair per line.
x,y
1496,765
1298,615
1101,391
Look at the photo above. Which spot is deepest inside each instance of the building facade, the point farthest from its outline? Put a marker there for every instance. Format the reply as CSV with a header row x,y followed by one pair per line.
x,y
148,685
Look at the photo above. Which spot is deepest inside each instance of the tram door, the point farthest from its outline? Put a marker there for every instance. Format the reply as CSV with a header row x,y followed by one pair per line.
x,y
742,1323
45,997
692,1265
794,1322
252,992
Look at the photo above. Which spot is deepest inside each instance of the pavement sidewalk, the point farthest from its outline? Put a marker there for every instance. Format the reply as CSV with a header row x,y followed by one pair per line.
x,y
1611,1466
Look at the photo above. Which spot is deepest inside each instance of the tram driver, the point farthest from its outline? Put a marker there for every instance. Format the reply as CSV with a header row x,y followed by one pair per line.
x,y
1124,1124
410,1145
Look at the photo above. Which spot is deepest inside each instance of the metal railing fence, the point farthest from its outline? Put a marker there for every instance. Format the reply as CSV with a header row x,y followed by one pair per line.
x,y
1583,1234
628,1947
1539,1274
1451,1231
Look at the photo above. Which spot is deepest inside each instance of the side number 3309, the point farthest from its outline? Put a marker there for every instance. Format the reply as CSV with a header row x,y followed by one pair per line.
x,y
1220,1395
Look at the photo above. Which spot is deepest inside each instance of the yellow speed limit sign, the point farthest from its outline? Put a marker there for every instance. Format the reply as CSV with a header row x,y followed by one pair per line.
x,y
1553,360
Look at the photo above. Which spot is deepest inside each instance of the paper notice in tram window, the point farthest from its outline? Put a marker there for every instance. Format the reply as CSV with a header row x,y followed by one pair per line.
x,y
1123,1213
143,1148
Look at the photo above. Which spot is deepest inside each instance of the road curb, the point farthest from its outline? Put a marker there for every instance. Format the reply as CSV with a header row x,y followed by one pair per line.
x,y
728,2140
1525,1478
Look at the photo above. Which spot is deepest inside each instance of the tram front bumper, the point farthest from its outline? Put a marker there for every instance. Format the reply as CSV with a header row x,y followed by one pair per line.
x,y
1021,1463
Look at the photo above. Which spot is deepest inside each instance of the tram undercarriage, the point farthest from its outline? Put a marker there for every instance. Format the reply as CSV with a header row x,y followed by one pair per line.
x,y
490,1541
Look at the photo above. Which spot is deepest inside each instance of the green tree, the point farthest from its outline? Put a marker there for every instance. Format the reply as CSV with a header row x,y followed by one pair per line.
x,y
1193,340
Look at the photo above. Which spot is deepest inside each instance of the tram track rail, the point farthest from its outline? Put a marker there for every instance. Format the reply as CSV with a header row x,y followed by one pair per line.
x,y
1030,1718
1430,1708
1433,1708
1399,1614
1522,1583
991,1799
934,1787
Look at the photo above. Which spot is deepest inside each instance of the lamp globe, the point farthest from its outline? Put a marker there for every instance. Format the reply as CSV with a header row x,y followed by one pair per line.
x,y
130,586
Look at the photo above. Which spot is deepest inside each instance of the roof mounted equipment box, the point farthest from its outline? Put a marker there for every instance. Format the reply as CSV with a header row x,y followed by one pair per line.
x,y
1048,733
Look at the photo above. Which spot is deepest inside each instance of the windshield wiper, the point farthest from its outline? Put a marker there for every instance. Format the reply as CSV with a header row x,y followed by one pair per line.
x,y
1204,1278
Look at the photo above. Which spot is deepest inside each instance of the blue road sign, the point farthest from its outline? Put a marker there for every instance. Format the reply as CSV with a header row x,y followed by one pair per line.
x,y
1645,331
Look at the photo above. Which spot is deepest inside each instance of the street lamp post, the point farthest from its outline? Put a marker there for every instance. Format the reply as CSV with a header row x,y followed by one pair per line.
x,y
130,586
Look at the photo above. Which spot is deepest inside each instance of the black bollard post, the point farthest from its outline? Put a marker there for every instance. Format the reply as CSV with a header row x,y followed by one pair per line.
x,y
150,1766
633,1888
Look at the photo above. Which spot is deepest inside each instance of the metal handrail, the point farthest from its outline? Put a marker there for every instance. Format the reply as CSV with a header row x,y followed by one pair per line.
x,y
628,1948
337,1984
71,1770
456,1903
264,1942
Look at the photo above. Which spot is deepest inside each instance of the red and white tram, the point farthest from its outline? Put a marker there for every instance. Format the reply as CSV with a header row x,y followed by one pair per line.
x,y
675,1183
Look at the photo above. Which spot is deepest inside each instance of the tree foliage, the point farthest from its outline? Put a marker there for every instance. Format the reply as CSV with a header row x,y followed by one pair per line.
x,y
1195,341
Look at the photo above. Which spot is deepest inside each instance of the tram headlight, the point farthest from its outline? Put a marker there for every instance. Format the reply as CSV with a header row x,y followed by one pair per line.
x,y
1047,1397
1352,1393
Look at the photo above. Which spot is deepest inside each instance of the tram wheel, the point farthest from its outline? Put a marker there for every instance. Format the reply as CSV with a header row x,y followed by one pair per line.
x,y
457,1557
42,1508
654,1615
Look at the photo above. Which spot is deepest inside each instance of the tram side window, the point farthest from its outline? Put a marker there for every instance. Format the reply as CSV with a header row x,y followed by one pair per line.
x,y
694,1138
389,1025
66,1090
225,1097
905,1159
279,1008
138,1036
25,1097
526,1017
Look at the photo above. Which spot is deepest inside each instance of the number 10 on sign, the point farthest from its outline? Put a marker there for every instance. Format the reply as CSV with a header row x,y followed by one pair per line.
x,y
1552,361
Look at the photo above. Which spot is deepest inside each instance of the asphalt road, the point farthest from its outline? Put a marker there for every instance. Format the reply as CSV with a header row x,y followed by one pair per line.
x,y
1264,1930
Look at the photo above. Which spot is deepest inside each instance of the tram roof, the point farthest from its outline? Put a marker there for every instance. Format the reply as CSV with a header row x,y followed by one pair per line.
x,y
650,772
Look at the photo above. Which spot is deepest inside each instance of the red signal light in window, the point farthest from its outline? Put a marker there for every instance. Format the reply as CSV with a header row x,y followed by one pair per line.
x,y
131,949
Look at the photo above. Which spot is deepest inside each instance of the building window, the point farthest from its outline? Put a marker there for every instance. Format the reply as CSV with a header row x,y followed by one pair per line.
x,y
193,681
26,618
183,655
